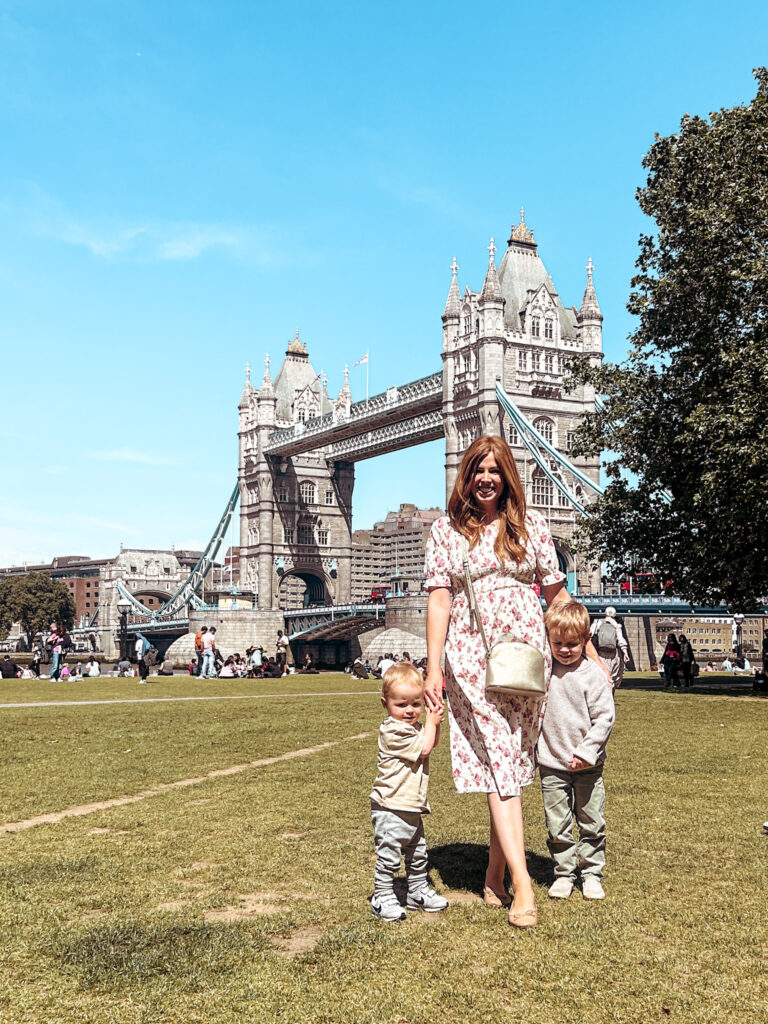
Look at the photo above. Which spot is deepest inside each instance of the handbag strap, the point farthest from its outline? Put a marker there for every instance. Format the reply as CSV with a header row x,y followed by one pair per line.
x,y
471,591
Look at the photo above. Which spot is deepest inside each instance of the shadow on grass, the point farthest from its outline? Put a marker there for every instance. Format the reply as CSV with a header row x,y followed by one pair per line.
x,y
716,684
119,955
462,866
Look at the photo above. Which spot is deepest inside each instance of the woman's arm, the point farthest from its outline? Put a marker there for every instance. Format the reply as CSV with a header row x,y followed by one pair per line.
x,y
438,614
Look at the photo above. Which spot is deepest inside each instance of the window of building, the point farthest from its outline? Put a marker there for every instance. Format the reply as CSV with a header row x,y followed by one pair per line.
x,y
548,328
282,493
287,535
467,324
322,537
133,568
535,327
307,492
541,488
329,497
167,570
305,534
569,439
545,427
549,363
302,415
512,434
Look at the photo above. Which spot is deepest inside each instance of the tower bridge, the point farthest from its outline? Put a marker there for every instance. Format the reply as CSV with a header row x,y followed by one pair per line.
x,y
505,353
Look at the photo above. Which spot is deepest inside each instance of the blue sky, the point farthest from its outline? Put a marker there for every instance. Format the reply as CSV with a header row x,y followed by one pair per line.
x,y
183,184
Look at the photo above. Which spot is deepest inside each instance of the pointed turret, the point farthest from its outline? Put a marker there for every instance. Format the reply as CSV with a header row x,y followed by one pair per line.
x,y
266,381
453,302
248,392
491,288
590,307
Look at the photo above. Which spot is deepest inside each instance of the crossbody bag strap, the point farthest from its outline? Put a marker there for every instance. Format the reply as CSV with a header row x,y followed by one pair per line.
x,y
471,592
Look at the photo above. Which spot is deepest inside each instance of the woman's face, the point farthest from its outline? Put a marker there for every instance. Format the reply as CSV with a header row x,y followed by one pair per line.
x,y
487,484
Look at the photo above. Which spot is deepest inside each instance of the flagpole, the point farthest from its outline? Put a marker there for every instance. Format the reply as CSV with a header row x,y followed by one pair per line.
x,y
367,364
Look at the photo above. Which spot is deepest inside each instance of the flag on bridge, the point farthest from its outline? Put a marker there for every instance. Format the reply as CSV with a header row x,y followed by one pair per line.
x,y
363,360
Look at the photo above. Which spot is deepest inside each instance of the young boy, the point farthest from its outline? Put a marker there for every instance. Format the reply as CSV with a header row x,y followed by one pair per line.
x,y
399,796
571,750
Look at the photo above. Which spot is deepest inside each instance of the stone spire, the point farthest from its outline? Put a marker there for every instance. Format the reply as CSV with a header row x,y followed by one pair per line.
x,y
266,382
453,302
247,394
491,288
590,307
297,346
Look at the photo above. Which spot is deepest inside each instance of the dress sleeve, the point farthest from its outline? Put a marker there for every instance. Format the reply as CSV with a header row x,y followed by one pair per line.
x,y
436,564
547,570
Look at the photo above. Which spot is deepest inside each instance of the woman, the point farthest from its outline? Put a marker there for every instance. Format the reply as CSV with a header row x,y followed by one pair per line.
x,y
687,659
492,744
56,643
670,659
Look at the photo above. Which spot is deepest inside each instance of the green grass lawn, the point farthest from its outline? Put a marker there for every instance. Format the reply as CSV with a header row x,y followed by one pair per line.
x,y
245,897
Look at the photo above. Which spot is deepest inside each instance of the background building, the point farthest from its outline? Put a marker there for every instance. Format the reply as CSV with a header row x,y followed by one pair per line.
x,y
393,550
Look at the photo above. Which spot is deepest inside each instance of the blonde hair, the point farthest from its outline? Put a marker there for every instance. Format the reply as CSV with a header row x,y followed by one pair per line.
x,y
401,672
464,513
570,617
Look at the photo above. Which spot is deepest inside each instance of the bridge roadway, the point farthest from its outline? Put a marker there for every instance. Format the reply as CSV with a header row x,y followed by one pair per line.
x,y
382,423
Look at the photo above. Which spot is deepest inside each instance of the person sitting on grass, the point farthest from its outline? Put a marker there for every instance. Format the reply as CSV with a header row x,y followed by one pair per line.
x,y
66,673
571,750
228,669
124,668
9,669
166,669
192,667
399,796
78,673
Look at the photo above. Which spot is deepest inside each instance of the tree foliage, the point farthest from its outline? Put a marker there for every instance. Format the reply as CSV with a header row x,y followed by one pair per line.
x,y
686,412
35,600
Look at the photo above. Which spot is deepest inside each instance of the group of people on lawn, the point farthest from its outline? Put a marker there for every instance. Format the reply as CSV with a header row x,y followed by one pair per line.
x,y
497,741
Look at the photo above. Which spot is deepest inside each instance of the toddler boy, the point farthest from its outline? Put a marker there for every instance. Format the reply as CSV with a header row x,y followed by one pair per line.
x,y
571,750
399,797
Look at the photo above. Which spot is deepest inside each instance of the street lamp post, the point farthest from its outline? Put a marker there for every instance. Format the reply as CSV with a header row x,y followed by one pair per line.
x,y
123,607
738,619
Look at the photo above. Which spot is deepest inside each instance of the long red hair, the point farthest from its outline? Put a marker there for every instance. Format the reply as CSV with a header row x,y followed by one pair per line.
x,y
465,513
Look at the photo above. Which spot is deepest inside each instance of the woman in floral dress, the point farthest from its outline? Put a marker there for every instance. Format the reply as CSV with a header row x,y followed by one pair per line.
x,y
492,743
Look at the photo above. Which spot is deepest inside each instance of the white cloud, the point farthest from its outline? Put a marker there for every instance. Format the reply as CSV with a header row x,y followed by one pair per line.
x,y
133,456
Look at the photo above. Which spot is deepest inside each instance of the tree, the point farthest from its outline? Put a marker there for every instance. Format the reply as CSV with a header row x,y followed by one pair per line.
x,y
35,600
686,412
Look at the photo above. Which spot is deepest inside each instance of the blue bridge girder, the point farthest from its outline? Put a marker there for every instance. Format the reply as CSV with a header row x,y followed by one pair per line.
x,y
332,621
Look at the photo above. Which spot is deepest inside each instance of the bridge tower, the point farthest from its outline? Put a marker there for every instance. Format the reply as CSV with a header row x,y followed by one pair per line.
x,y
517,330
295,510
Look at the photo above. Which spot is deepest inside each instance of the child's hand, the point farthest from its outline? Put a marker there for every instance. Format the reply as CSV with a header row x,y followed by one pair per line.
x,y
435,717
578,764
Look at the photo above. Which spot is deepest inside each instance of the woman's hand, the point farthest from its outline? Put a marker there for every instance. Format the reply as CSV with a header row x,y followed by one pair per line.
x,y
433,690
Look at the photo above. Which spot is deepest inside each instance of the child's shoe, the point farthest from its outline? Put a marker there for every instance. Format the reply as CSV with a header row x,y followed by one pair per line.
x,y
561,888
387,906
426,899
592,888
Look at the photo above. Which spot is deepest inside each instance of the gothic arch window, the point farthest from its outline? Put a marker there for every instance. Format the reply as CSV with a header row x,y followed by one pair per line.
x,y
253,535
302,415
282,492
545,427
548,328
541,488
307,492
477,327
305,533
535,327
549,363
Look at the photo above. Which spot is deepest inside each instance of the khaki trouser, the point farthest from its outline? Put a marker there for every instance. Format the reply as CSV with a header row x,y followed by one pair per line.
x,y
579,794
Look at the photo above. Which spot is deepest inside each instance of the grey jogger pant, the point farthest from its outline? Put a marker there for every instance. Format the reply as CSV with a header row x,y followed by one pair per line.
x,y
396,834
579,794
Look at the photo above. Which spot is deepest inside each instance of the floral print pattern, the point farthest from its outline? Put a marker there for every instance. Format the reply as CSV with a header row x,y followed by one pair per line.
x,y
492,743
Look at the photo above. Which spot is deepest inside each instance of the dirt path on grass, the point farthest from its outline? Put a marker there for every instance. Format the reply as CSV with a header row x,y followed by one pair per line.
x,y
165,787
74,703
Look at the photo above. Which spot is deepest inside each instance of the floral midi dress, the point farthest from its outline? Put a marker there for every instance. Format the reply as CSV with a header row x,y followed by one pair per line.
x,y
492,743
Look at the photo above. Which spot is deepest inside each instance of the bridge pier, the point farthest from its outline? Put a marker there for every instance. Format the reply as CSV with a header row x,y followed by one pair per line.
x,y
238,629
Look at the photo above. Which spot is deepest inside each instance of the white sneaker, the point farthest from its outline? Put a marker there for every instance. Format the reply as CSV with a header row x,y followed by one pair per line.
x,y
426,899
387,907
592,888
765,827
561,888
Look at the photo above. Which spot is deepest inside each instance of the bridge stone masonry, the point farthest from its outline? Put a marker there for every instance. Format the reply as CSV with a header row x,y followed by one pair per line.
x,y
298,446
